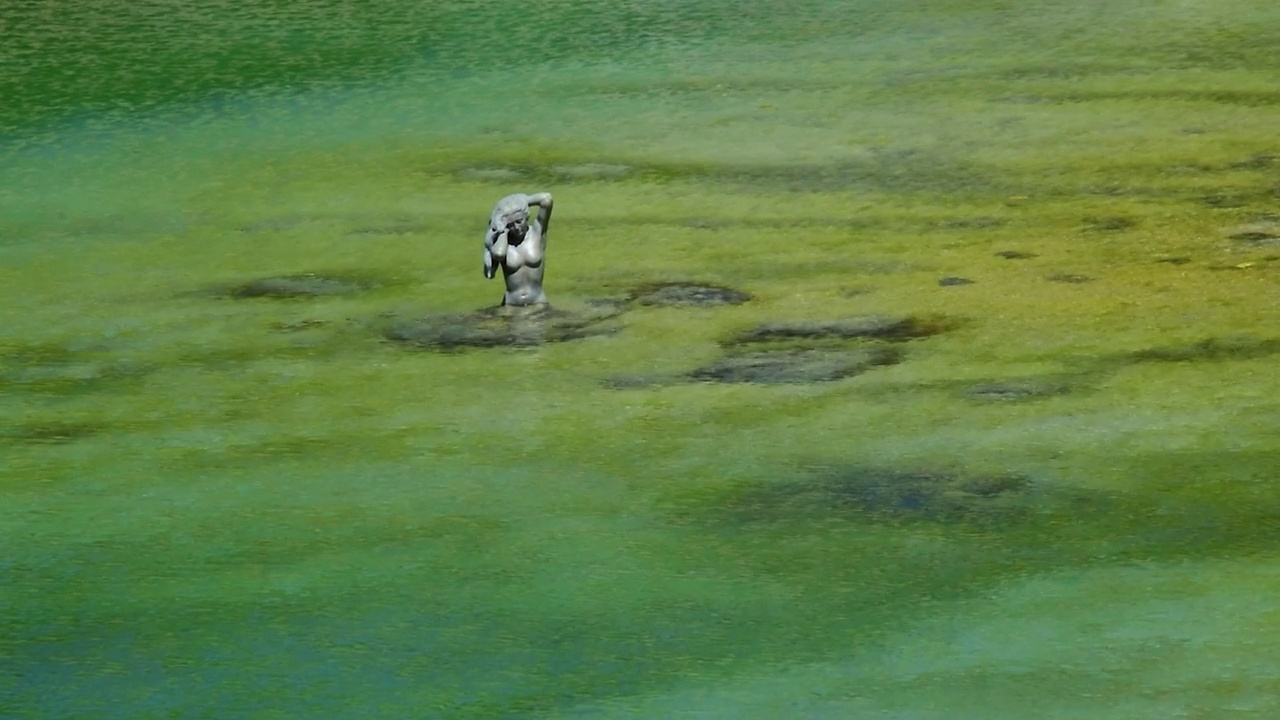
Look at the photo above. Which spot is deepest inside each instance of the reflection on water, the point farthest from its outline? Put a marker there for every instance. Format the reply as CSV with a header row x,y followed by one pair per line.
x,y
908,361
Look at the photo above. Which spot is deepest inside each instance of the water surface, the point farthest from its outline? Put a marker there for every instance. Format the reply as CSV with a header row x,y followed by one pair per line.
x,y
220,503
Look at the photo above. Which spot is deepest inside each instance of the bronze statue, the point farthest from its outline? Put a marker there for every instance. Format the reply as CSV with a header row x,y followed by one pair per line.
x,y
519,246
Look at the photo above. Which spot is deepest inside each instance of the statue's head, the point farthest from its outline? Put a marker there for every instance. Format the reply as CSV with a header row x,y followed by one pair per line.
x,y
510,212
511,216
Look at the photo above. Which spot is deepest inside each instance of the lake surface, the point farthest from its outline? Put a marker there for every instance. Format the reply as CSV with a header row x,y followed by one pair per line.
x,y
917,360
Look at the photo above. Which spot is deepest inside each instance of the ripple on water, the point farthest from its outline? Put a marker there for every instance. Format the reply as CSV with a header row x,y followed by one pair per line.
x,y
502,327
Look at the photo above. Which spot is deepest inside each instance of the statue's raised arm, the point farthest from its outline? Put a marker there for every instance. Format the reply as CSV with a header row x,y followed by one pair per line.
x,y
518,246
544,203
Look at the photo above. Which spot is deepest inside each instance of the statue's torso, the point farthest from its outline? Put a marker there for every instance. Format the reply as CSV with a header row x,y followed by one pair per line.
x,y
529,252
523,268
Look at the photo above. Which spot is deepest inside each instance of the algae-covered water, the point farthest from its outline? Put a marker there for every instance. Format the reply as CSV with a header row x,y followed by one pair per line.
x,y
915,360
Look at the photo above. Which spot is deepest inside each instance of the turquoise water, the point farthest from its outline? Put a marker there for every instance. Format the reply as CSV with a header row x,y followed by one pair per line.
x,y
1057,500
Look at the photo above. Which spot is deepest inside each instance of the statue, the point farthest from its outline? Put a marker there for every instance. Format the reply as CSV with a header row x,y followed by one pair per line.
x,y
519,247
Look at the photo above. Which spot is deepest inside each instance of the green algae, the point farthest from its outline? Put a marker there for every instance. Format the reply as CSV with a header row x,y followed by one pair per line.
x,y
271,507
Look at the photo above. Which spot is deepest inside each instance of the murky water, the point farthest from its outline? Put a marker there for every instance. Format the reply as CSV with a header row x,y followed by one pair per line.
x,y
908,361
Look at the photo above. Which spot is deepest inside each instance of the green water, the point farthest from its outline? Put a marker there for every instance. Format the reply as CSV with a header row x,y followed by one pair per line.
x,y
259,508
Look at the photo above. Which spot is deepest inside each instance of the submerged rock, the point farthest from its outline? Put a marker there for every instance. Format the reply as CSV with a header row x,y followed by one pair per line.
x,y
686,294
1016,390
303,285
791,366
866,327
1241,347
501,327
892,495
1258,237
801,352
1069,278
1108,224
300,325
1263,232
631,382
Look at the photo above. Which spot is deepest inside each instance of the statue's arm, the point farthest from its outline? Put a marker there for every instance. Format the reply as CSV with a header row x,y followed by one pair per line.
x,y
495,250
543,201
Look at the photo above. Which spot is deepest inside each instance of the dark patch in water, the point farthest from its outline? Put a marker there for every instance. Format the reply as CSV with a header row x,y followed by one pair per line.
x,y
1243,347
51,433
608,303
902,170
1226,201
299,326
795,366
501,327
52,369
1024,99
631,382
1265,231
679,294
302,285
490,174
1247,98
1016,390
1015,255
1258,161
983,222
1255,236
279,224
892,496
1069,278
591,171
1108,224
802,352
868,327
953,281
1188,168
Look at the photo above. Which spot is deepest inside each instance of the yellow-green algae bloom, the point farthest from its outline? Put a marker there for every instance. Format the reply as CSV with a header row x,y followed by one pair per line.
x,y
229,490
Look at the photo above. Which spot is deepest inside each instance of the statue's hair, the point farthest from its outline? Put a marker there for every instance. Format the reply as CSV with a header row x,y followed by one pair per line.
x,y
509,209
